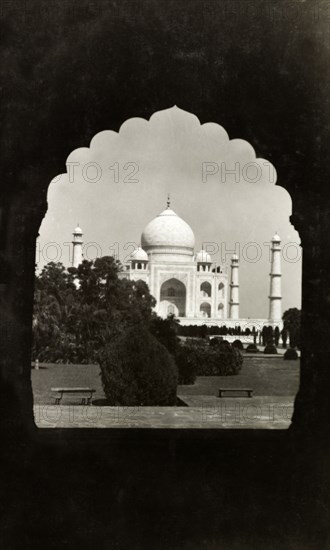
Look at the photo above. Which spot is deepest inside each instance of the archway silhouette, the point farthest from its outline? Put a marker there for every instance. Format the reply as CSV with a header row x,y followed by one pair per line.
x,y
260,87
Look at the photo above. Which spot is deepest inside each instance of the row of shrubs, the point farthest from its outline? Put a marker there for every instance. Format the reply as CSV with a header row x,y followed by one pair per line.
x,y
136,369
290,354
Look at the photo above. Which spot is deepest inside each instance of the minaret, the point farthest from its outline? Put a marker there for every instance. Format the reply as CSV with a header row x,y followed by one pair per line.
x,y
234,289
275,295
77,246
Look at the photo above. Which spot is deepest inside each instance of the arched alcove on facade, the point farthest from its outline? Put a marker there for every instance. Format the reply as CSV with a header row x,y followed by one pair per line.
x,y
205,309
206,289
221,289
173,292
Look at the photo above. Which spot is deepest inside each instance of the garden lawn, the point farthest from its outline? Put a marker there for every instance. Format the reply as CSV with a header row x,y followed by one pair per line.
x,y
57,375
267,376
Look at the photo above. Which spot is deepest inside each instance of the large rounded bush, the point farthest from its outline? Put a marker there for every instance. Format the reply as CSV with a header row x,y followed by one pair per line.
x,y
136,370
291,355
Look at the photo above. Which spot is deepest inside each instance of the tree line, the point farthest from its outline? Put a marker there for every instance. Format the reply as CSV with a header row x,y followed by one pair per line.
x,y
80,310
289,334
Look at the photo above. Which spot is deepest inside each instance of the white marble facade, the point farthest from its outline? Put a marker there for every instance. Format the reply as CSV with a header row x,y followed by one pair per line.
x,y
190,285
186,284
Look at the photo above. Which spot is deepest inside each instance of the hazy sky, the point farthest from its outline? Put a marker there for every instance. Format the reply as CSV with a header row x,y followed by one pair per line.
x,y
114,187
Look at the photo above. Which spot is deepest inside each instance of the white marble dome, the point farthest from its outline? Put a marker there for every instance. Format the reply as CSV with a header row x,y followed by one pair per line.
x,y
78,230
139,255
203,257
168,234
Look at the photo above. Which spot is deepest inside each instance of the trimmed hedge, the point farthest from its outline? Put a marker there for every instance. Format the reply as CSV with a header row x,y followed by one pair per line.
x,y
137,370
220,343
186,363
221,361
290,355
238,344
252,348
270,348
214,341
214,360
224,345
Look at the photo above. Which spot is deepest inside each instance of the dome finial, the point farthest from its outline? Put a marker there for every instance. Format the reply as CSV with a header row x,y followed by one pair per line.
x,y
168,200
78,230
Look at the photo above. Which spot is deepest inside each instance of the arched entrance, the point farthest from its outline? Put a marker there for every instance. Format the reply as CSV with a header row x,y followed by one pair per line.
x,y
205,309
172,298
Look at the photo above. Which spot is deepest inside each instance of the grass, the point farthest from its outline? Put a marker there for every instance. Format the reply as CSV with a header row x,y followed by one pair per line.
x,y
267,376
55,375
271,376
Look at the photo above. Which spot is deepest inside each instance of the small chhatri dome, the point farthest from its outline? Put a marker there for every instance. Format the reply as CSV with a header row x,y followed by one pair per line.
x,y
139,255
168,232
78,230
234,257
276,238
203,257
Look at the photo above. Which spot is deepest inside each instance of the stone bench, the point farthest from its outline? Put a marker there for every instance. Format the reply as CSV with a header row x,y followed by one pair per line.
x,y
86,394
223,391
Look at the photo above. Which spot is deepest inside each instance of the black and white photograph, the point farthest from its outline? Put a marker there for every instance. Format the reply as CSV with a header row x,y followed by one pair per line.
x,y
165,296
152,326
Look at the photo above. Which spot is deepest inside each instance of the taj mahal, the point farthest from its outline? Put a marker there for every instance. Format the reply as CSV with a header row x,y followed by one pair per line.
x,y
188,285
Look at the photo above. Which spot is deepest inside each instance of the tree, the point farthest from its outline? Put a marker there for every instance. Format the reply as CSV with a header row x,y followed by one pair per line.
x,y
54,304
284,334
292,323
270,335
108,305
77,312
45,323
203,331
